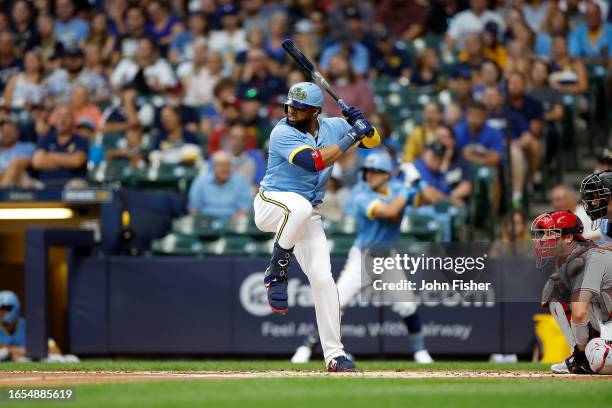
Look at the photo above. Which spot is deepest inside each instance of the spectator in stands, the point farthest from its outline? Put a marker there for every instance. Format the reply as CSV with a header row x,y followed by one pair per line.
x,y
163,26
94,76
61,155
514,127
535,12
50,48
69,28
452,115
428,166
490,75
342,11
472,57
83,108
440,15
604,161
492,47
25,88
321,29
356,53
130,149
527,106
123,117
424,134
593,40
457,172
135,30
518,59
461,87
242,163
305,38
213,116
533,111
556,25
565,197
22,25
407,24
388,60
257,14
277,32
15,156
515,230
568,75
61,82
200,76
551,99
147,71
257,126
256,39
426,69
182,47
231,39
10,63
257,75
524,35
353,89
220,192
469,21
173,133
100,37
479,143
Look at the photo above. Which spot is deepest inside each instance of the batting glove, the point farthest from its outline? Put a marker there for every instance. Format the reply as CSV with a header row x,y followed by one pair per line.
x,y
360,129
352,115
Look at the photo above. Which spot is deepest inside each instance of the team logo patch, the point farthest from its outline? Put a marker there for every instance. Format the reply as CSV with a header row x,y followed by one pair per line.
x,y
298,94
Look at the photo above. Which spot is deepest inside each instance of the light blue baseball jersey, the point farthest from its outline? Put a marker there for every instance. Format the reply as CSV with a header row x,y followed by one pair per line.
x,y
604,229
372,230
15,339
285,142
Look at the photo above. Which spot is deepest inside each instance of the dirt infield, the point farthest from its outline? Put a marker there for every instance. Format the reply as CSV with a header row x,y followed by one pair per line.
x,y
62,378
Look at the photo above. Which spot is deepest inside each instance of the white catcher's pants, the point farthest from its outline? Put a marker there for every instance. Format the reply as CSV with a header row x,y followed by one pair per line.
x,y
351,282
298,225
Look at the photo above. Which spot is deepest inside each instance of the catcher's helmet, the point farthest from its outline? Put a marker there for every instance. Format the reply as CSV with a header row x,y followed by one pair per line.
x,y
9,301
547,228
596,192
305,95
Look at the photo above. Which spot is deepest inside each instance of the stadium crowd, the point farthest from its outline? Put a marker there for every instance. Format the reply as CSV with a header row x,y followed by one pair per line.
x,y
202,82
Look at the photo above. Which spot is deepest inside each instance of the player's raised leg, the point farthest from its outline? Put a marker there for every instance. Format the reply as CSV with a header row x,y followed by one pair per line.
x,y
284,213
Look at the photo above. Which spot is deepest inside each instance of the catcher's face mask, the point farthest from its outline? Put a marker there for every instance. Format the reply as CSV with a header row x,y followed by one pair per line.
x,y
545,239
595,199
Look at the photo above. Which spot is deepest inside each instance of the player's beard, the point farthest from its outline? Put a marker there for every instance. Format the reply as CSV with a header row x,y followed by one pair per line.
x,y
301,125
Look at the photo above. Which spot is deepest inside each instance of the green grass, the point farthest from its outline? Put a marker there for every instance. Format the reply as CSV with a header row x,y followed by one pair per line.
x,y
337,392
256,365
344,392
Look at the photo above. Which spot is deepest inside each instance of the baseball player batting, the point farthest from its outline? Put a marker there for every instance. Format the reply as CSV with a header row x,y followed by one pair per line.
x,y
380,206
578,292
303,147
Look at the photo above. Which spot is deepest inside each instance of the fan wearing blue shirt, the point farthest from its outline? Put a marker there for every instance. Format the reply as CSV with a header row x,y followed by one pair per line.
x,y
220,192
479,143
61,155
591,39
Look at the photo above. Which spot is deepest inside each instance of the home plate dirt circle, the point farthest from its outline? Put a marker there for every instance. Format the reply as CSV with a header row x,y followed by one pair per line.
x,y
59,378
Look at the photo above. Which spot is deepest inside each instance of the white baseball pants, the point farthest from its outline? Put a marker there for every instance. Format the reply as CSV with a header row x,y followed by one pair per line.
x,y
297,224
